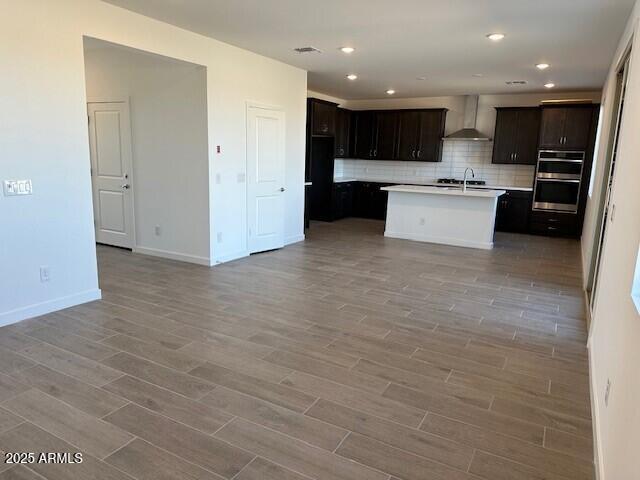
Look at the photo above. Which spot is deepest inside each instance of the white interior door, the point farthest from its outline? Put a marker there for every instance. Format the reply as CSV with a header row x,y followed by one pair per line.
x,y
110,144
265,178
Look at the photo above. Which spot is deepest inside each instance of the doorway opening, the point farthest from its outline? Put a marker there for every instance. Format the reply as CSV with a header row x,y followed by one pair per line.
x,y
148,132
604,207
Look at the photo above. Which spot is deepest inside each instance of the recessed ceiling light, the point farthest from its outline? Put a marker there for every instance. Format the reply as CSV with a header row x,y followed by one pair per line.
x,y
495,37
542,66
347,49
352,76
477,75
549,85
421,78
391,91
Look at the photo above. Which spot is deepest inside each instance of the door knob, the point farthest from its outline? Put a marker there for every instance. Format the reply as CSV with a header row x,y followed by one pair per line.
x,y
282,189
126,186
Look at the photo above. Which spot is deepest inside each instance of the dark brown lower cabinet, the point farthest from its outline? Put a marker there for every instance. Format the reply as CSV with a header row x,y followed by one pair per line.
x,y
554,224
342,200
513,212
370,201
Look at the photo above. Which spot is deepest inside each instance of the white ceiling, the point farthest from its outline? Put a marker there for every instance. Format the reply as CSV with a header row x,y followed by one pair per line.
x,y
398,41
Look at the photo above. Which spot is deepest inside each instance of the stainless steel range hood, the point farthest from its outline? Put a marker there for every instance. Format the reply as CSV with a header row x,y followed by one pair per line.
x,y
469,132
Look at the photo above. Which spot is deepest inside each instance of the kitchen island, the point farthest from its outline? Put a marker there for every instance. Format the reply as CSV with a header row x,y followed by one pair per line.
x,y
446,215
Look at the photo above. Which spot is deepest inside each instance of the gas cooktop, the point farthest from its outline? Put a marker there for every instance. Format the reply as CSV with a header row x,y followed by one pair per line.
x,y
455,181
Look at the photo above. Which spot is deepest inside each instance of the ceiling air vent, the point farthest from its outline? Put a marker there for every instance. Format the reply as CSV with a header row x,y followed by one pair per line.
x,y
516,82
307,50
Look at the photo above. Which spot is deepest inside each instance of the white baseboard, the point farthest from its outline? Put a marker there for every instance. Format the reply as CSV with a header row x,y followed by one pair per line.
x,y
231,256
37,309
181,257
294,239
441,240
595,420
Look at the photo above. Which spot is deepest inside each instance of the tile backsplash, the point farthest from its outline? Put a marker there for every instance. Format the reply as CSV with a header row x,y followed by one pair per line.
x,y
456,156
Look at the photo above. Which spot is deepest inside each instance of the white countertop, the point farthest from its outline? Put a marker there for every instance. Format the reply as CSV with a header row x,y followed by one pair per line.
x,y
432,183
447,190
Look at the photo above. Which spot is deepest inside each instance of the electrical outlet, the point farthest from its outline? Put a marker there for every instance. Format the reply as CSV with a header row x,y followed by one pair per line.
x,y
45,274
158,230
607,393
422,221
219,237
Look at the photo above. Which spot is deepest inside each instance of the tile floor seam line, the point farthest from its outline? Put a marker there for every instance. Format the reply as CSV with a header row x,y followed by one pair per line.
x,y
424,418
173,454
309,407
233,417
134,437
417,429
22,422
129,320
245,466
431,460
559,475
14,395
372,377
128,402
473,455
163,366
162,415
84,452
346,435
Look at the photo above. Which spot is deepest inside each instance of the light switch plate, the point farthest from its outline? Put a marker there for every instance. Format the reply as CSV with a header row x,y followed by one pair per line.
x,y
17,187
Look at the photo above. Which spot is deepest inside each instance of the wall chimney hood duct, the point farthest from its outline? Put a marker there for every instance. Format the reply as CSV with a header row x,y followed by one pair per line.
x,y
469,132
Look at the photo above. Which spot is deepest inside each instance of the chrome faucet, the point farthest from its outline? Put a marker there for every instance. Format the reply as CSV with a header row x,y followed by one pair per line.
x,y
464,182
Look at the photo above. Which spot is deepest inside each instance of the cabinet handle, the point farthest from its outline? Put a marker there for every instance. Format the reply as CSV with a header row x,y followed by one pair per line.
x,y
419,153
511,157
413,154
551,228
375,153
515,156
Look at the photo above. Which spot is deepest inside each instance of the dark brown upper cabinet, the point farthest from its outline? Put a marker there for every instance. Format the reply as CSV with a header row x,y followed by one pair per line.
x,y
376,134
343,133
323,117
364,134
566,127
516,135
386,136
420,135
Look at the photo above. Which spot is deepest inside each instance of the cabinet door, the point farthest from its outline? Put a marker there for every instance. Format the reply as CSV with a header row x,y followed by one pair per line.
x,y
513,212
362,200
504,139
552,127
323,118
430,135
577,127
365,129
526,143
379,202
384,147
343,126
408,135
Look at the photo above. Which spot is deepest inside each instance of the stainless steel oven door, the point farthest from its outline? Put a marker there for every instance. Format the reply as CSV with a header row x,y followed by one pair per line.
x,y
556,194
560,165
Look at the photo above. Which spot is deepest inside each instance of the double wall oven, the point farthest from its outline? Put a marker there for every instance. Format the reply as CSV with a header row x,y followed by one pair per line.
x,y
558,181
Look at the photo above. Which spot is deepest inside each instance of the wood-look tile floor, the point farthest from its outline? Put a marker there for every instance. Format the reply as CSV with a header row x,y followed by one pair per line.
x,y
348,356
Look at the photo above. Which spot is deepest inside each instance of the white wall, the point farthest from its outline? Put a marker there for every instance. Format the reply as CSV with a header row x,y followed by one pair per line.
x,y
614,343
44,137
168,104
